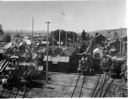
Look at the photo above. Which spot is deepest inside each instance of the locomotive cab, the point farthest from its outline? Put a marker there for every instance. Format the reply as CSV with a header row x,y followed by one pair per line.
x,y
106,63
81,65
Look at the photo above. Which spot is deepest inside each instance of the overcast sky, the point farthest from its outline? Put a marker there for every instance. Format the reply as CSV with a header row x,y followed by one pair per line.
x,y
74,15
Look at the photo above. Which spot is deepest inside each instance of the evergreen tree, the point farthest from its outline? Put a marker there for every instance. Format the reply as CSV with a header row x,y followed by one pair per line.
x,y
1,30
83,35
7,38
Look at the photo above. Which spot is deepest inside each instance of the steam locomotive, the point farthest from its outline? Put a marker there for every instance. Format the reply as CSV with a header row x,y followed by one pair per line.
x,y
103,60
20,75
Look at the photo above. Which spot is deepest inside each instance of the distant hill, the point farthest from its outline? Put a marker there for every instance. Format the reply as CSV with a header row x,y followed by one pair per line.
x,y
110,32
13,32
24,32
107,32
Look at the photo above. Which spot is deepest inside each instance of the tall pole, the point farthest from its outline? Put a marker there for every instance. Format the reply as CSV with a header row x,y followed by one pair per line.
x,y
59,37
32,26
66,39
53,43
73,39
48,22
121,47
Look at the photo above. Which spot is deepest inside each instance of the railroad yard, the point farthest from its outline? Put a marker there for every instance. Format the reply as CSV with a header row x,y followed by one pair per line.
x,y
64,85
64,59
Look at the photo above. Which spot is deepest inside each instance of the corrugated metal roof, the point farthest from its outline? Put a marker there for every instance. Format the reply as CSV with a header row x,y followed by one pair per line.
x,y
57,59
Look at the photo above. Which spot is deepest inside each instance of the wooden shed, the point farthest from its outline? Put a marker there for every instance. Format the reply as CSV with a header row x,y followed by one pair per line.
x,y
57,63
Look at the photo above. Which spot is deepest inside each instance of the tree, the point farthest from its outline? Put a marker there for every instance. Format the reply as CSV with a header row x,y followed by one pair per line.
x,y
63,35
7,38
83,35
1,30
17,36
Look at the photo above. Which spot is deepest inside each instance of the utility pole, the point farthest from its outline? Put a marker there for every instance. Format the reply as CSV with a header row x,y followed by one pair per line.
x,y
48,22
32,26
53,43
66,39
59,37
121,46
73,39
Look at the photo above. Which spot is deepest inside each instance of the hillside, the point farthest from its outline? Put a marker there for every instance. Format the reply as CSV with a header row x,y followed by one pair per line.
x,y
13,32
106,32
120,31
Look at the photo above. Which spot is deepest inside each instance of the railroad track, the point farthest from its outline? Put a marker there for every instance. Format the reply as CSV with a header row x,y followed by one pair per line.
x,y
77,91
13,93
101,88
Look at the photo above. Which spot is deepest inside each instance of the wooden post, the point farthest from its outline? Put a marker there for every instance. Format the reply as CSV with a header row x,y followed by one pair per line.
x,y
121,46
53,43
73,39
66,39
59,37
47,50
32,26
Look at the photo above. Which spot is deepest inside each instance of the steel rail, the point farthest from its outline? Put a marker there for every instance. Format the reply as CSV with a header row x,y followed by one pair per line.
x,y
103,85
105,80
98,81
108,88
82,86
76,85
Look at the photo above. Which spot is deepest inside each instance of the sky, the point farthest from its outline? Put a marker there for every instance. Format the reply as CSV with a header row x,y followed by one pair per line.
x,y
89,15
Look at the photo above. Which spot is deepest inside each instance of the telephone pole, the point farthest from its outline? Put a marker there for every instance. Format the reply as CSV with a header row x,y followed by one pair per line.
x,y
32,26
48,22
59,37
121,46
73,39
66,39
53,43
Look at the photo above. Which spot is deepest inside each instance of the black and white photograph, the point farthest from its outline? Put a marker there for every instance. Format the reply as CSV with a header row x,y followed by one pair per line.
x,y
63,48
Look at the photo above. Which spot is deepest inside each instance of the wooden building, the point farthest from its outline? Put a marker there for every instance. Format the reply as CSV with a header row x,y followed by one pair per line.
x,y
57,63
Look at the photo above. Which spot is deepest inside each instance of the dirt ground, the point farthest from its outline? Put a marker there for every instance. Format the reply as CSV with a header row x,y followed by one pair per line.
x,y
62,85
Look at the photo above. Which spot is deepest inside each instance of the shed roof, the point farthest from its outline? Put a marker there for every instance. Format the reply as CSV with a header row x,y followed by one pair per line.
x,y
64,59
